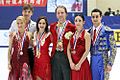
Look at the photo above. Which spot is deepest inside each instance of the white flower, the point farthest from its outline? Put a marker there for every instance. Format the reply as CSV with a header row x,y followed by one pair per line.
x,y
68,35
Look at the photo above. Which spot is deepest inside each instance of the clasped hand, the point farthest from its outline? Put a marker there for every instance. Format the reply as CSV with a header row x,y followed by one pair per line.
x,y
75,66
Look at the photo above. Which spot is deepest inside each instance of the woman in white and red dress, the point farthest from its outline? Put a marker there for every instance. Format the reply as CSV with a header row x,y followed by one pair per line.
x,y
18,54
42,40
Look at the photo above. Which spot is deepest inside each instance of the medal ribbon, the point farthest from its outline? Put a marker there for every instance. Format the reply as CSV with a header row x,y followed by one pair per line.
x,y
21,43
75,38
27,26
60,33
39,40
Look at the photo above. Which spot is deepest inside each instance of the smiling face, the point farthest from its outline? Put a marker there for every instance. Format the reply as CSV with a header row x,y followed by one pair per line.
x,y
96,18
42,25
27,14
20,23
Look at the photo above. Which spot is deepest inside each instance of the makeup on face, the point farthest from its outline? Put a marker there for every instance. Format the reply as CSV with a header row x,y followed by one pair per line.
x,y
79,22
42,24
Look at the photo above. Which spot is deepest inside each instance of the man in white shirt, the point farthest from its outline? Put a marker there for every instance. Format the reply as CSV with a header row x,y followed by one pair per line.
x,y
27,12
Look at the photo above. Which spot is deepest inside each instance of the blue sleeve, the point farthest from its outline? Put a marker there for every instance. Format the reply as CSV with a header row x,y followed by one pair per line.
x,y
112,48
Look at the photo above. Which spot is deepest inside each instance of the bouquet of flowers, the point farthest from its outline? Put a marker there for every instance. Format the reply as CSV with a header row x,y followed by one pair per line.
x,y
68,35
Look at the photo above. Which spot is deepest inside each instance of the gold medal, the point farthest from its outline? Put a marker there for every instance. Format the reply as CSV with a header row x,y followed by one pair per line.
x,y
38,54
60,45
37,51
42,42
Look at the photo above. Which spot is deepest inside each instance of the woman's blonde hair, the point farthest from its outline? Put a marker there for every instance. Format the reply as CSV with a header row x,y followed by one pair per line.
x,y
21,18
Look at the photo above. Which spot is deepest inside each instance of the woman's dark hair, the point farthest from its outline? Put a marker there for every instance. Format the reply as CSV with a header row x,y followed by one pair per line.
x,y
81,15
46,21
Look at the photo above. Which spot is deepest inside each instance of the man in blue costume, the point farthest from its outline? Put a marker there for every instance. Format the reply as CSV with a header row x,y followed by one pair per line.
x,y
103,47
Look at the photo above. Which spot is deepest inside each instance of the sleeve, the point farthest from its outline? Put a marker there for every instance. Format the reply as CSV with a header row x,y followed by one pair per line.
x,y
34,42
50,28
13,27
34,39
73,27
52,38
32,27
112,48
52,41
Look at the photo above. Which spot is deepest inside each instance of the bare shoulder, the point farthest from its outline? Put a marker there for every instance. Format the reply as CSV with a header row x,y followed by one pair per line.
x,y
29,34
13,34
49,33
87,35
35,33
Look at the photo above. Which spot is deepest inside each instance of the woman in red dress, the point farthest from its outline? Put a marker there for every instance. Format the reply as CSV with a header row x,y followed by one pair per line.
x,y
18,54
78,50
42,40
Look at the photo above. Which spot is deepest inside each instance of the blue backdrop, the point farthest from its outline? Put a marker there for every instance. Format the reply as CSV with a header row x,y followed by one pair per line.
x,y
8,14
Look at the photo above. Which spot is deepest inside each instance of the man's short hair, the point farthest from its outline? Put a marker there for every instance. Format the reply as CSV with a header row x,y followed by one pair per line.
x,y
60,6
28,6
97,10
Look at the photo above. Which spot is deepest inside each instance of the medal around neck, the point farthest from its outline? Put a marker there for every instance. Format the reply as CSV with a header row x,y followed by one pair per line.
x,y
38,54
73,52
21,53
